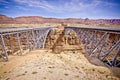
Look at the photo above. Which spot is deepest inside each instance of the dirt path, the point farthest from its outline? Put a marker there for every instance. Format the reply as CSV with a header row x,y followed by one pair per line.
x,y
44,65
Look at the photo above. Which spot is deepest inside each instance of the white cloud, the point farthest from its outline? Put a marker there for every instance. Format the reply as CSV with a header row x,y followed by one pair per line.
x,y
4,2
36,3
72,5
76,5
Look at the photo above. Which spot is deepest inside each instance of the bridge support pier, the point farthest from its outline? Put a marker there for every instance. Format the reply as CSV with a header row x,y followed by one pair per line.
x,y
4,48
19,43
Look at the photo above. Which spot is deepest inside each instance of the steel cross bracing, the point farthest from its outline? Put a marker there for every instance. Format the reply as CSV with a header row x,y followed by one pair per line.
x,y
18,41
101,43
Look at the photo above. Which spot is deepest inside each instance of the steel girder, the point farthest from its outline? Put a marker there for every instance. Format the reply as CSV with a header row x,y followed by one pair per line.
x,y
103,44
16,42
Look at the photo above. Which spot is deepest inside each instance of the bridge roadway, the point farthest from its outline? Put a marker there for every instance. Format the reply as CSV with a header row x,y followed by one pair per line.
x,y
94,39
110,29
113,29
7,30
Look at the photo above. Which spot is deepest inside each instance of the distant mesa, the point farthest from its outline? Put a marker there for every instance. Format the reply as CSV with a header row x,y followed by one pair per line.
x,y
40,20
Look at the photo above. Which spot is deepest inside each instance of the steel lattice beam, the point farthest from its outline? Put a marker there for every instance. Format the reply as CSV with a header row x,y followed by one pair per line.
x,y
19,40
101,43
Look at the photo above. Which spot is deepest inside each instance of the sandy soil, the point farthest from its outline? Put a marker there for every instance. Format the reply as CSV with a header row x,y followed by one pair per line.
x,y
54,24
45,65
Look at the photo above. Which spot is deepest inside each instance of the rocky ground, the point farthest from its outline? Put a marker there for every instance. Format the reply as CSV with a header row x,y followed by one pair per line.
x,y
62,62
45,65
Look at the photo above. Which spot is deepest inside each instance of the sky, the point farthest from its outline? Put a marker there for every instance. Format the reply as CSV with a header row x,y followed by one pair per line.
x,y
93,9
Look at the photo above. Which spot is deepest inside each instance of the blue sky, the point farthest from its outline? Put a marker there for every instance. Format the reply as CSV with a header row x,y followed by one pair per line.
x,y
93,9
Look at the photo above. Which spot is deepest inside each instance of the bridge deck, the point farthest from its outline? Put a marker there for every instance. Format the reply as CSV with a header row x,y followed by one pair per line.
x,y
113,29
6,30
110,29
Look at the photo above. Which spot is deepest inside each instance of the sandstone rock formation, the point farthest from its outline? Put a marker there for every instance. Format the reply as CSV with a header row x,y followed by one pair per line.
x,y
60,41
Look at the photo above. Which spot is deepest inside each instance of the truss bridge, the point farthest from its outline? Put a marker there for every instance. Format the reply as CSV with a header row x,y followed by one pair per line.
x,y
100,42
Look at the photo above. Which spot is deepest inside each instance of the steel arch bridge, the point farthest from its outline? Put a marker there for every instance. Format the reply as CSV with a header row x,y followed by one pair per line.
x,y
24,39
100,42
